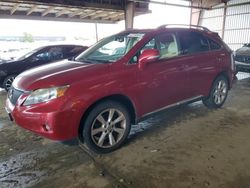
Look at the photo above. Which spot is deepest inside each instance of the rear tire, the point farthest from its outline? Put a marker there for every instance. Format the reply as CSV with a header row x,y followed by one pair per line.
x,y
218,93
106,127
7,83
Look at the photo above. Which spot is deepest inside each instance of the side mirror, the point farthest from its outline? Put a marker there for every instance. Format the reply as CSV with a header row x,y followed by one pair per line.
x,y
72,58
148,56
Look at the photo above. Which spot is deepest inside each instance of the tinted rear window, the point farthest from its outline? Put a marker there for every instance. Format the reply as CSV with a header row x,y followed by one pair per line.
x,y
214,45
193,42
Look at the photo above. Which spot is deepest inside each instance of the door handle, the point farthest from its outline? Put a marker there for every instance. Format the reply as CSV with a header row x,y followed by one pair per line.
x,y
219,59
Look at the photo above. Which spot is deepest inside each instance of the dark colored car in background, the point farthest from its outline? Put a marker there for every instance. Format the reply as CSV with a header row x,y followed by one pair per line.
x,y
119,81
40,56
242,58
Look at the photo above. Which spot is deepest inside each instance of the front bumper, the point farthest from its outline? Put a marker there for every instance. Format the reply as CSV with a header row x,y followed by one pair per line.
x,y
244,67
9,114
50,120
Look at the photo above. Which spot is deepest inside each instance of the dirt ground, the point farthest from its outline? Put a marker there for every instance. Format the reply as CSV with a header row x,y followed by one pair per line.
x,y
185,147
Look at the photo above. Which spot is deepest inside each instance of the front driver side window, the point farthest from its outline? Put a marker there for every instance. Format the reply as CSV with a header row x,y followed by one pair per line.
x,y
168,46
165,43
44,56
52,54
149,45
55,53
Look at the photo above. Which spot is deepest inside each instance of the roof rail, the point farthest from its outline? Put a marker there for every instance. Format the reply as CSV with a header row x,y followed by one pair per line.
x,y
183,25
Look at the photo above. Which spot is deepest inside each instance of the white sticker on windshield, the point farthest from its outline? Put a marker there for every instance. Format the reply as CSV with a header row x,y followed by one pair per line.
x,y
136,35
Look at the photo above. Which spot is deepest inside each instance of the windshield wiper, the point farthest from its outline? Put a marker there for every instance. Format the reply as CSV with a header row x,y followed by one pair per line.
x,y
92,61
85,60
102,61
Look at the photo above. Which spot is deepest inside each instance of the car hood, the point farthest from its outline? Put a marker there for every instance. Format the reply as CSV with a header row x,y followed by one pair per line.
x,y
243,51
55,74
4,61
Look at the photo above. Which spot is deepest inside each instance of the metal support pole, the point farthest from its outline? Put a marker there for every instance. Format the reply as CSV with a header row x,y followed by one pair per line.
x,y
224,21
96,32
201,16
129,14
194,15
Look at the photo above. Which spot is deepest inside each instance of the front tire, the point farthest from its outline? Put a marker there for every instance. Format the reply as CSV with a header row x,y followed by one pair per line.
x,y
218,93
7,83
106,127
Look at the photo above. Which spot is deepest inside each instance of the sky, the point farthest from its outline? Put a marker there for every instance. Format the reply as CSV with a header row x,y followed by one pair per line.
x,y
161,14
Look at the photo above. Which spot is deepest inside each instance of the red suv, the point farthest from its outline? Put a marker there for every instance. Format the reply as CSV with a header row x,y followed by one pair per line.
x,y
120,80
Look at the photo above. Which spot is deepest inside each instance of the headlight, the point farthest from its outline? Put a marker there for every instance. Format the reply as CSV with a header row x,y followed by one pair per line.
x,y
44,95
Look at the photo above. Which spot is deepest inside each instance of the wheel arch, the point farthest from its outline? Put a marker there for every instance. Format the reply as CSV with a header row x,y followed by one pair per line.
x,y
225,74
122,99
209,100
5,79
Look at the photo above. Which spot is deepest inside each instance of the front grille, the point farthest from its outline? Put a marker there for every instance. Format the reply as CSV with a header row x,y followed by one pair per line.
x,y
14,94
243,59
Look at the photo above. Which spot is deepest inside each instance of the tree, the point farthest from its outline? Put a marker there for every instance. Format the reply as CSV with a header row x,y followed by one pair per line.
x,y
27,37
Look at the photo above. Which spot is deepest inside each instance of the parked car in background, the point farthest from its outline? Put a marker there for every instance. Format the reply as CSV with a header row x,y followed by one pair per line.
x,y
40,56
119,81
242,58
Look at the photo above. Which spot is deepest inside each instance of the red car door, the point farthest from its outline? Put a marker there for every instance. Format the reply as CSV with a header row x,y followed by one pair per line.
x,y
202,62
163,82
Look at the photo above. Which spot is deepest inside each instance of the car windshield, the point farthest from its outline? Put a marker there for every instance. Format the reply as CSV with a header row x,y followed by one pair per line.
x,y
110,49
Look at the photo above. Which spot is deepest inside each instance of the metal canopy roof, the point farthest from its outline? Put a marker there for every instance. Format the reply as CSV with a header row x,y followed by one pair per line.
x,y
101,11
209,4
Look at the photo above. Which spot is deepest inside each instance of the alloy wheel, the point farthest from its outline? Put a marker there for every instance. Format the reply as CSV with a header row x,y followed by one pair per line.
x,y
220,92
108,128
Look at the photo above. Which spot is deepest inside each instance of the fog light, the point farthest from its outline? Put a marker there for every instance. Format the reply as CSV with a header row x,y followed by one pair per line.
x,y
46,127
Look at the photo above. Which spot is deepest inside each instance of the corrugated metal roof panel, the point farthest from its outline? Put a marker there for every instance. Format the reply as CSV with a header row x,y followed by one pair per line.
x,y
237,23
84,11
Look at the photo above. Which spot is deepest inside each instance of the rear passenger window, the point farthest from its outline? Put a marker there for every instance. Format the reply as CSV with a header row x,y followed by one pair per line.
x,y
192,42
